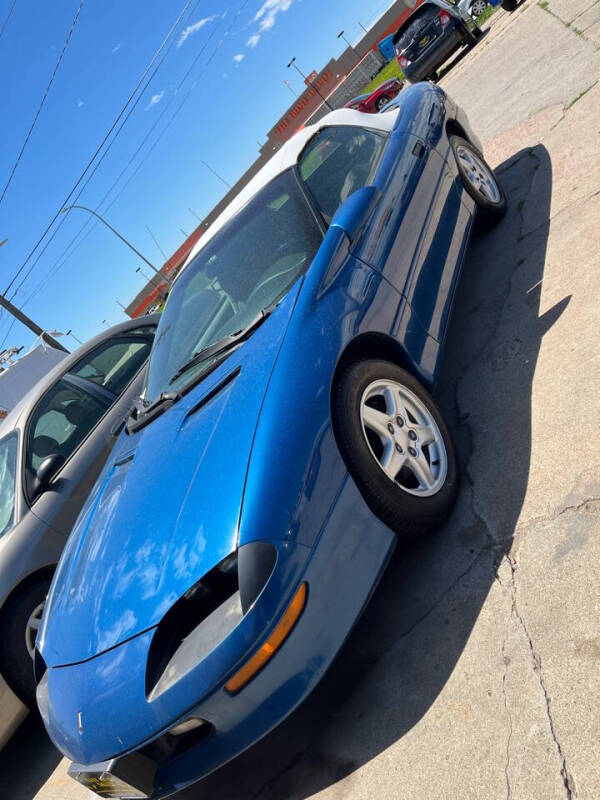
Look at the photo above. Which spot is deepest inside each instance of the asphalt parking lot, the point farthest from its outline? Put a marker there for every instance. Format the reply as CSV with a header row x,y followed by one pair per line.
x,y
474,672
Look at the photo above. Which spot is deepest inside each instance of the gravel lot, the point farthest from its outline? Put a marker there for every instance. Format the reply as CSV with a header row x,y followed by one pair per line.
x,y
475,672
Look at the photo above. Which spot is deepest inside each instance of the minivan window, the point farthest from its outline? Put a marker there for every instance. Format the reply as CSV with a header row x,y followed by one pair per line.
x,y
114,364
60,422
8,469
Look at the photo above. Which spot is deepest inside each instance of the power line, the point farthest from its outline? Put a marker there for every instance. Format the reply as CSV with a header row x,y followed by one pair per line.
x,y
41,105
101,145
90,224
8,16
63,258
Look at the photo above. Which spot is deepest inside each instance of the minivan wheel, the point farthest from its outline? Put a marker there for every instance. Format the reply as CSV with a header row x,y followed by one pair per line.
x,y
396,446
509,5
480,182
18,631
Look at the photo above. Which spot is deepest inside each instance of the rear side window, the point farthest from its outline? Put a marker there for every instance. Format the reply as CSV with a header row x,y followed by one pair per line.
x,y
61,421
114,364
338,161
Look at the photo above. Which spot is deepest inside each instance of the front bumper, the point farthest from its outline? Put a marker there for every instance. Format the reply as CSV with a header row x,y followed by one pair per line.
x,y
341,572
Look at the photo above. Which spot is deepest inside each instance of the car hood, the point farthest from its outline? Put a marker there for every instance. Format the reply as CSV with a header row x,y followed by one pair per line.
x,y
165,509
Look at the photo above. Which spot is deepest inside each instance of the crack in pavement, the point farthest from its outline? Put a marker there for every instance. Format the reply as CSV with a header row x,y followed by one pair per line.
x,y
536,663
509,715
590,505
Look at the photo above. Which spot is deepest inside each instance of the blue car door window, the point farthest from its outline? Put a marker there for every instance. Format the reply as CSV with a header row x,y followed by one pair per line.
x,y
338,161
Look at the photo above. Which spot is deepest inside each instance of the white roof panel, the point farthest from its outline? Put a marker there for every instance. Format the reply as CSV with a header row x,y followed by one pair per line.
x,y
286,157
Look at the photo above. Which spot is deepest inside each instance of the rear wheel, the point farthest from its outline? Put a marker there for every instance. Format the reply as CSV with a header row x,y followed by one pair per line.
x,y
18,631
382,101
396,446
480,182
477,8
509,5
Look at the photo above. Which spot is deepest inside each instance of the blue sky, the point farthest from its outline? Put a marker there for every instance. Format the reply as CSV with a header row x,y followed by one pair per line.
x,y
233,94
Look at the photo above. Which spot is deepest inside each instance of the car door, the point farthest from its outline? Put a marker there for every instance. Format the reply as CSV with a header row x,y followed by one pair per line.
x,y
79,418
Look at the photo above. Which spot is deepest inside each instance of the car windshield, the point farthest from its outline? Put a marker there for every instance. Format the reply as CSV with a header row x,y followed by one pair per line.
x,y
248,266
8,468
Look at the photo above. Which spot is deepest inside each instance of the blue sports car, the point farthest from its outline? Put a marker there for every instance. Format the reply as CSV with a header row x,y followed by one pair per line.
x,y
285,440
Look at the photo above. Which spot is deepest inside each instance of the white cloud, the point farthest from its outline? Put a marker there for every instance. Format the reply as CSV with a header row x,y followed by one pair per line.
x,y
268,12
80,102
191,29
253,40
116,48
239,57
155,100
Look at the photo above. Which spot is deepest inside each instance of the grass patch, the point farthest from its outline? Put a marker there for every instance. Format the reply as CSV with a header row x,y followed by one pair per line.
x,y
483,18
543,4
580,95
390,70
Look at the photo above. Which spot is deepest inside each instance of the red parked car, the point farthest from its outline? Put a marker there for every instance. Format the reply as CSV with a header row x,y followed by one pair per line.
x,y
381,96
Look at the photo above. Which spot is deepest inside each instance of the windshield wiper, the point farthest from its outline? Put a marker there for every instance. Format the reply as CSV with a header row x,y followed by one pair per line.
x,y
143,414
221,346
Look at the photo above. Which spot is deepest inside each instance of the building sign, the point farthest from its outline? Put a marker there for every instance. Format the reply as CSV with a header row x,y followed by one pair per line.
x,y
311,78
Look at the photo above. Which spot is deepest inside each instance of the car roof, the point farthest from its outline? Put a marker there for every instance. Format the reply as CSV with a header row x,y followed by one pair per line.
x,y
284,158
10,422
360,97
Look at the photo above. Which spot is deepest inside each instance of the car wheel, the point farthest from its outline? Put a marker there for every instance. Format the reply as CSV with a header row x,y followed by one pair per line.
x,y
18,631
477,8
382,101
396,446
509,5
480,182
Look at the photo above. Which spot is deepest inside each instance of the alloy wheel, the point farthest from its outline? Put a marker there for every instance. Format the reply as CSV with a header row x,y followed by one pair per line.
x,y
478,174
403,437
32,627
478,7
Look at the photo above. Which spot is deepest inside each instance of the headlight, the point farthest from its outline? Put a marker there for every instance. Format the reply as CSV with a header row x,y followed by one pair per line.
x,y
206,614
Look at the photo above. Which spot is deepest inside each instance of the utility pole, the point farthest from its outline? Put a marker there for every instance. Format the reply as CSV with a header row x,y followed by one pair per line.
x,y
29,323
25,320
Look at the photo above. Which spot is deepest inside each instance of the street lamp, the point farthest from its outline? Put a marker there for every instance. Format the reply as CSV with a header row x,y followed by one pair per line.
x,y
309,82
118,235
358,64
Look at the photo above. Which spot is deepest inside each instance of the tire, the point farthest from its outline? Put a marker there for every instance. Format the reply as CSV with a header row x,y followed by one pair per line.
x,y
477,8
509,5
480,182
16,664
405,507
382,101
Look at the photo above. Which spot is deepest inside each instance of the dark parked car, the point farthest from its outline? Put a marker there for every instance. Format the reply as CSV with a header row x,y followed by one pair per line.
x,y
285,440
432,33
374,101
53,445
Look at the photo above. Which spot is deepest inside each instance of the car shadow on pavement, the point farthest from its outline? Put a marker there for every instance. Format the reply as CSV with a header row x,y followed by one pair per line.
x,y
27,761
408,642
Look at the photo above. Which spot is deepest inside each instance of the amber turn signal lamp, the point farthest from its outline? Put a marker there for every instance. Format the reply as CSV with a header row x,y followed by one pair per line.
x,y
271,646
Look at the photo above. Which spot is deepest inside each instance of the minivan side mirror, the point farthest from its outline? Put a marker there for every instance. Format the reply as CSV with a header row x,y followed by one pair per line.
x,y
356,210
45,472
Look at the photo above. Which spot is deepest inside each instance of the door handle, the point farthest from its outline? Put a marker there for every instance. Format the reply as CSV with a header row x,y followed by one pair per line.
x,y
419,149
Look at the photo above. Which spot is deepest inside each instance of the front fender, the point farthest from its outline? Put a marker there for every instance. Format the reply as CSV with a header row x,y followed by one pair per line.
x,y
296,469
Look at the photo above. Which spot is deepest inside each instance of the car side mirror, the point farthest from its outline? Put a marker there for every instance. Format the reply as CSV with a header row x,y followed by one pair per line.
x,y
46,471
356,210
